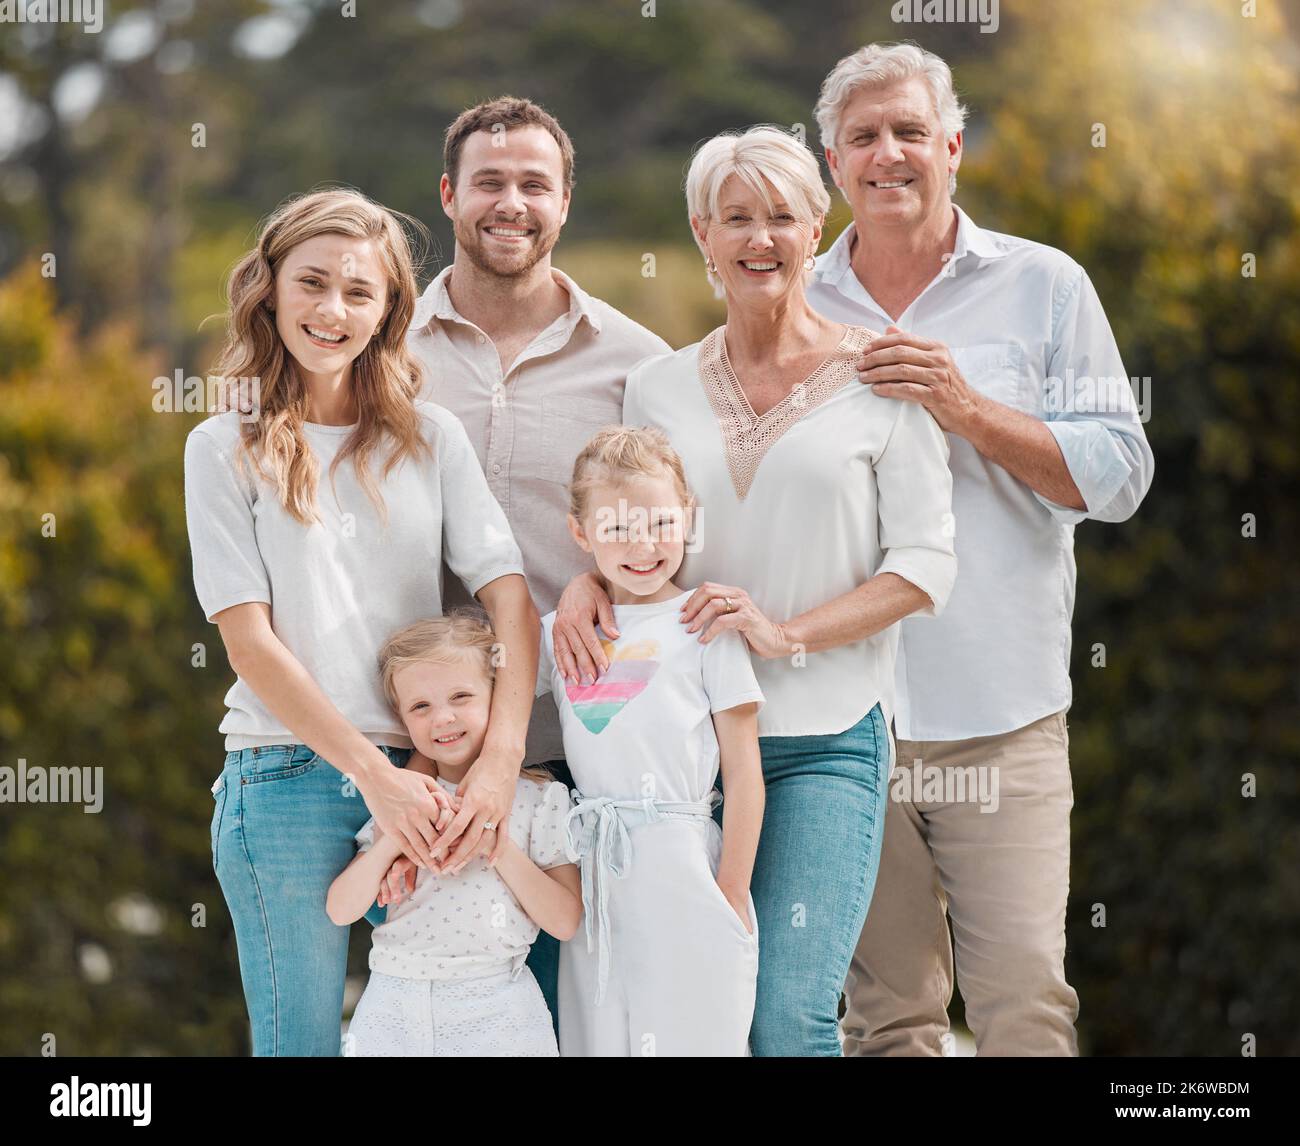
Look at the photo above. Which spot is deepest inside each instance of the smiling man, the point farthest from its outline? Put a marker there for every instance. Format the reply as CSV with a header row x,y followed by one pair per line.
x,y
1005,342
529,362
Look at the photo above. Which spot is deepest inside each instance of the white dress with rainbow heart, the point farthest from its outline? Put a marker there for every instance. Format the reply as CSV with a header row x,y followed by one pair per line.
x,y
663,965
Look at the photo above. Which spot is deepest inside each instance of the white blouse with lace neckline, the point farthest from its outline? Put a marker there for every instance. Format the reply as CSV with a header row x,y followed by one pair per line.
x,y
747,436
857,486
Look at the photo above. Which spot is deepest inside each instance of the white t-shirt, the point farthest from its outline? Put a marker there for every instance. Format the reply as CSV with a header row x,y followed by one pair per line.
x,y
645,728
339,587
470,925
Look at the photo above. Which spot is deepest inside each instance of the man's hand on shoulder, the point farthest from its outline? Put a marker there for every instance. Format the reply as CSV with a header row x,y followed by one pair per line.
x,y
916,369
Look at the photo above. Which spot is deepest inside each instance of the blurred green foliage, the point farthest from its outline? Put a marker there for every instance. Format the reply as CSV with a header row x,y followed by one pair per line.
x,y
1200,167
1200,623
98,622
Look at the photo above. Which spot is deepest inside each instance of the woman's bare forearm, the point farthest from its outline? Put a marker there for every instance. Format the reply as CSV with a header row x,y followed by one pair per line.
x,y
853,616
518,630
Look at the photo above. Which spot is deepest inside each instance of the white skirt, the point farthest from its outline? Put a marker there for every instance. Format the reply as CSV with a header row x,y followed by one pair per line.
x,y
492,1017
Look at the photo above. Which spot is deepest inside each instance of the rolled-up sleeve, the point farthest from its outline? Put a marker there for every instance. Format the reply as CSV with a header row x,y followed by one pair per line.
x,y
914,506
478,545
1091,411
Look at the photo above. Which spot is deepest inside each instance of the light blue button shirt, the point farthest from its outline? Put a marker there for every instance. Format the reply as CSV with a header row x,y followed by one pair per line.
x,y
1026,328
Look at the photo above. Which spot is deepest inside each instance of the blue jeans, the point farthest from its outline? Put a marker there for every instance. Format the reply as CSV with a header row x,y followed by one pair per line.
x,y
544,955
813,877
282,830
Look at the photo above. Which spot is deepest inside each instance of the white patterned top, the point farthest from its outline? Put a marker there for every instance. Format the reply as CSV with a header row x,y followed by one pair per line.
x,y
467,926
832,486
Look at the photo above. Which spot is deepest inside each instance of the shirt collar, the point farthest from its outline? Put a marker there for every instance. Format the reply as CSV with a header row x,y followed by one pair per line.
x,y
436,302
973,240
834,264
580,302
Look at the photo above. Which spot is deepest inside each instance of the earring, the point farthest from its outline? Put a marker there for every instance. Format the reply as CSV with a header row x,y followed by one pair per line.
x,y
710,265
809,263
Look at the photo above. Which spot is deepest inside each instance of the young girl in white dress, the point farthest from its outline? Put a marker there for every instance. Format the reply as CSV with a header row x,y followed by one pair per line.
x,y
669,960
447,971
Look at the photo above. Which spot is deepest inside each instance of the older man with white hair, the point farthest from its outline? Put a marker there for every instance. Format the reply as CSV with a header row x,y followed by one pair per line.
x,y
1007,346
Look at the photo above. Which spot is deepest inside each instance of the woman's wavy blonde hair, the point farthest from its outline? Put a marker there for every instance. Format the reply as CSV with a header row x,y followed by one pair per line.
x,y
463,635
385,376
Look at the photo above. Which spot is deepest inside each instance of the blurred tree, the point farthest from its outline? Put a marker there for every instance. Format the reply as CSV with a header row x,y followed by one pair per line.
x,y
182,124
124,130
98,621
1198,615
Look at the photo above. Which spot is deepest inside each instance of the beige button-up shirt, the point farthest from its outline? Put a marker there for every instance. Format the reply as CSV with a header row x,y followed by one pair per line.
x,y
528,425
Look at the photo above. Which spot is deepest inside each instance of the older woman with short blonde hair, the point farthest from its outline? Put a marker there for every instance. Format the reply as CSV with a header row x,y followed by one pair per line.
x,y
824,519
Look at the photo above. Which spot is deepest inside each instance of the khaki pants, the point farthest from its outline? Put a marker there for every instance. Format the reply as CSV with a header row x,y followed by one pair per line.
x,y
1003,877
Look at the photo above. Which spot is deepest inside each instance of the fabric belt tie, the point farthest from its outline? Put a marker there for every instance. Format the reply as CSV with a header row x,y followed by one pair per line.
x,y
596,831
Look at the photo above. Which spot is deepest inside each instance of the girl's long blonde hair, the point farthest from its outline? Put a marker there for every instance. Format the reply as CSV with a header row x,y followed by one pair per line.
x,y
385,376
462,635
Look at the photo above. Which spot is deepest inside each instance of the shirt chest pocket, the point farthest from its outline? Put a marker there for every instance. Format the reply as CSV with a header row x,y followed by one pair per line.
x,y
567,425
998,370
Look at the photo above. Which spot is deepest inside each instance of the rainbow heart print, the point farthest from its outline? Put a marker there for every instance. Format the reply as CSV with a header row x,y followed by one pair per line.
x,y
630,670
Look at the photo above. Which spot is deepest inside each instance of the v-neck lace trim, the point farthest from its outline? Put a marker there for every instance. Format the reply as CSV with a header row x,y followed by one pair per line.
x,y
747,436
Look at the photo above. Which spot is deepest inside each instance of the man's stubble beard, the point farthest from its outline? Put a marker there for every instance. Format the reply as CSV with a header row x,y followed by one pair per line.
x,y
473,246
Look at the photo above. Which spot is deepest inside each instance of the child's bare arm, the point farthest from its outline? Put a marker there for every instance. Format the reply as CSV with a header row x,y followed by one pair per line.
x,y
742,812
353,890
552,898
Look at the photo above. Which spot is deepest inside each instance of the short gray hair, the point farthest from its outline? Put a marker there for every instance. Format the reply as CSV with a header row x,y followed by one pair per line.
x,y
877,65
758,153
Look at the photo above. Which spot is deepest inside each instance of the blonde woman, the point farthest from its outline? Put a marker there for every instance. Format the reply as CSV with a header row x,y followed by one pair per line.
x,y
318,512
824,519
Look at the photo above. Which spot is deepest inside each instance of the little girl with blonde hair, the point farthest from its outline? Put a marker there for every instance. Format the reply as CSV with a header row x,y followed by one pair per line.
x,y
669,961
447,970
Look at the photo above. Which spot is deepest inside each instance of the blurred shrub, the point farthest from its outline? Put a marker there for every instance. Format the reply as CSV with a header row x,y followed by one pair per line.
x,y
98,621
1200,623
